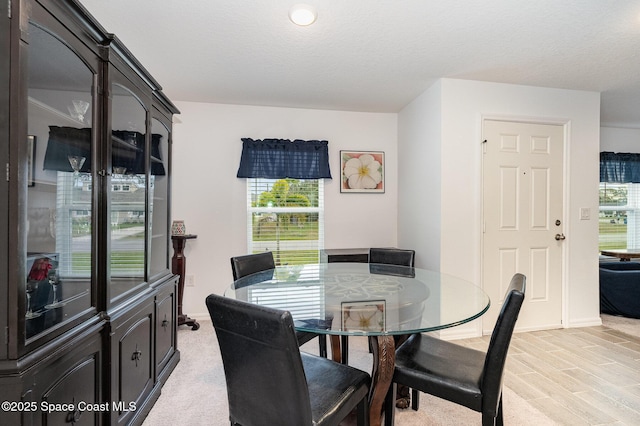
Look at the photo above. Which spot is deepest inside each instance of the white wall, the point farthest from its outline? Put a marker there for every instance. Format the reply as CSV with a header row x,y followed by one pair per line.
x,y
616,139
463,105
210,199
433,180
420,178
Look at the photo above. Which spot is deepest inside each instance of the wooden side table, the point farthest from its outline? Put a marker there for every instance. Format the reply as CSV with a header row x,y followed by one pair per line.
x,y
178,267
360,255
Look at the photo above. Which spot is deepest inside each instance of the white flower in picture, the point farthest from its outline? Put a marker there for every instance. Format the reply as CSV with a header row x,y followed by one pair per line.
x,y
362,172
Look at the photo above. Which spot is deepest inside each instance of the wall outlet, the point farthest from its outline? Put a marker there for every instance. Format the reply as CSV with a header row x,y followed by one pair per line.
x,y
190,281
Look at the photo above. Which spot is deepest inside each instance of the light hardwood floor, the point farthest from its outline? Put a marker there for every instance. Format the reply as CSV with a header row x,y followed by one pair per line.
x,y
579,376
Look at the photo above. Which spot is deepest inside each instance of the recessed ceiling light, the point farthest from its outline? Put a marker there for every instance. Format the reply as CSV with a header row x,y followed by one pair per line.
x,y
302,14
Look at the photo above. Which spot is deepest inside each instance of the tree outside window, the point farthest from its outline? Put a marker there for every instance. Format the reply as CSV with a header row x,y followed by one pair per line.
x,y
285,217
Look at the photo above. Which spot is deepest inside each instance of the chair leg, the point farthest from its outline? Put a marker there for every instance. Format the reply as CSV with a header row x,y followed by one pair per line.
x,y
489,420
335,348
390,405
362,411
499,415
415,399
322,344
344,342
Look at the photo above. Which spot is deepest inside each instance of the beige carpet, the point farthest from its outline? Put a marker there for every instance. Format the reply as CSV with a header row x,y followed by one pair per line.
x,y
626,325
195,394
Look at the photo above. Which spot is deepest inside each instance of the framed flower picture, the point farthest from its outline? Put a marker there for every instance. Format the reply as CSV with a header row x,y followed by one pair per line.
x,y
362,171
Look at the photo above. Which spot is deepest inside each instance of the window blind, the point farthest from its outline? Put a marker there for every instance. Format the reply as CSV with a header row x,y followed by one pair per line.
x,y
619,216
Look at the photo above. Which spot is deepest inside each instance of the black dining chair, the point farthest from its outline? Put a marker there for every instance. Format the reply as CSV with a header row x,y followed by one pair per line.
x,y
392,256
457,373
270,382
249,264
241,266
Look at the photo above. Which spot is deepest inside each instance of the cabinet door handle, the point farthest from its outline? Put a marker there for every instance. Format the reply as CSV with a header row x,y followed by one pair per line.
x,y
165,322
74,416
136,355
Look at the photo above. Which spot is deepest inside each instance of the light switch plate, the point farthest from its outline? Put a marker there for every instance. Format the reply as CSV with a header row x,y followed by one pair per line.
x,y
585,213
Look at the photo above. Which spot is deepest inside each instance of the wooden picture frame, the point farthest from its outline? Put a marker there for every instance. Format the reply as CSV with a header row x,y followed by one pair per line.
x,y
365,315
31,160
362,171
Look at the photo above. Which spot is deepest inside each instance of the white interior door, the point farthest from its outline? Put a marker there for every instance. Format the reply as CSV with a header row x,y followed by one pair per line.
x,y
523,219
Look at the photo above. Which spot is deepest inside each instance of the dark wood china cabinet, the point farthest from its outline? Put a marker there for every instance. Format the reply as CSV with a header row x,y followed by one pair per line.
x,y
88,303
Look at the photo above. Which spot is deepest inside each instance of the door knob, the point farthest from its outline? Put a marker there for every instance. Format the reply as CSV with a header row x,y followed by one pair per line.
x,y
560,237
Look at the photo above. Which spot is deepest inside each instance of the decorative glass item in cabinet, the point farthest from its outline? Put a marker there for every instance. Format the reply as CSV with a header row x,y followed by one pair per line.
x,y
32,286
78,109
76,162
54,282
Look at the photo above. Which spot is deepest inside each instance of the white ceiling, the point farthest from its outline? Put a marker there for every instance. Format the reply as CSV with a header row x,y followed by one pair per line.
x,y
378,55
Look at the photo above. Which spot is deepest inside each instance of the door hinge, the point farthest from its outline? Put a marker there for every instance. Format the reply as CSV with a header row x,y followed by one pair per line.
x,y
7,172
484,146
6,335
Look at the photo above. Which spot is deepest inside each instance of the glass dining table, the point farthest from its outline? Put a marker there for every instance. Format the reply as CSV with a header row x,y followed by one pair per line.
x,y
365,299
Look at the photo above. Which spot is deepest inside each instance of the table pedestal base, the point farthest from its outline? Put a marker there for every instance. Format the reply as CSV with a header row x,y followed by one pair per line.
x,y
383,349
384,359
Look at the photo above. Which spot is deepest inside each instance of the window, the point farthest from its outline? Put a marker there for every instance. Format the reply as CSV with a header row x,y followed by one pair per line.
x,y
619,216
286,216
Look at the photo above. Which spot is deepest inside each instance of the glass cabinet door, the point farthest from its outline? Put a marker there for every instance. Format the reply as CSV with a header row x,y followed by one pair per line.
x,y
127,199
58,182
159,199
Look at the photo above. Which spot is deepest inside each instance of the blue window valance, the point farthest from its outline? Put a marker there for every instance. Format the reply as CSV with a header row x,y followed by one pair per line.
x,y
283,158
619,167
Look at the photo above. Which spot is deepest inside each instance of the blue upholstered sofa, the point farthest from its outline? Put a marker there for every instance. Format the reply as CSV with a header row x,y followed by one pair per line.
x,y
620,288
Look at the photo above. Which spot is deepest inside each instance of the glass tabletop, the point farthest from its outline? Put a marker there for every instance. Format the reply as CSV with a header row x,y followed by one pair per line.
x,y
364,298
